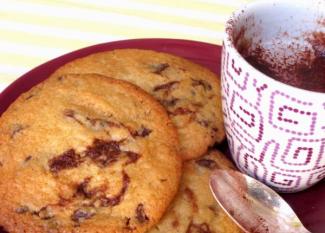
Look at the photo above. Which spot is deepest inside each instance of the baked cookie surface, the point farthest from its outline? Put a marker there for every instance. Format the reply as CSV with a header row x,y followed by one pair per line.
x,y
86,153
194,210
189,92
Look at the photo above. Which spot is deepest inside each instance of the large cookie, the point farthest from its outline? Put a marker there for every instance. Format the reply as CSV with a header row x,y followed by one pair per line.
x,y
194,209
86,153
190,92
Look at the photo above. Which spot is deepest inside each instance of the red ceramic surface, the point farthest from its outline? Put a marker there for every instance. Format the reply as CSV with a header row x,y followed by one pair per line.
x,y
309,205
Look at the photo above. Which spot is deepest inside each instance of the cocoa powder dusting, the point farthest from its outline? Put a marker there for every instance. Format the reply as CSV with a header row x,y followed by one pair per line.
x,y
305,69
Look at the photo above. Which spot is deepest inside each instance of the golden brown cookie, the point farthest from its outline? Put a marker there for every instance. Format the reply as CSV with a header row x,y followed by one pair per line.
x,y
189,92
86,153
194,209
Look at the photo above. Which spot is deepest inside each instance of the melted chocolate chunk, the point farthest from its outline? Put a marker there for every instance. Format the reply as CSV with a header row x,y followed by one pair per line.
x,y
103,152
175,223
165,86
142,132
69,159
204,123
96,124
28,158
128,224
198,82
82,188
71,114
181,111
159,68
169,103
208,163
198,228
191,198
101,124
116,199
132,157
80,215
22,209
29,97
140,214
16,129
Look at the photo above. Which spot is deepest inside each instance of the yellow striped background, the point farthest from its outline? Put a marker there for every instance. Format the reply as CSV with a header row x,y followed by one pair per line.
x,y
34,31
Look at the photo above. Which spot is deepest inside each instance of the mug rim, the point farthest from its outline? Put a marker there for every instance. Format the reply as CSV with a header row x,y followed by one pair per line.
x,y
228,42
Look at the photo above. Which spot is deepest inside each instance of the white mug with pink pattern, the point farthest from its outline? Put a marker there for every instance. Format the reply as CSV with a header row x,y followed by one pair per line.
x,y
275,132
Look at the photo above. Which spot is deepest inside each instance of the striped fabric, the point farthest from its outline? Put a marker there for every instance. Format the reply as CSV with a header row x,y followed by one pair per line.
x,y
34,31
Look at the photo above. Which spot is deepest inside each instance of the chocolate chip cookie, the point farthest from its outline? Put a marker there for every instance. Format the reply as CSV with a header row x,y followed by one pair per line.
x,y
194,209
189,92
86,153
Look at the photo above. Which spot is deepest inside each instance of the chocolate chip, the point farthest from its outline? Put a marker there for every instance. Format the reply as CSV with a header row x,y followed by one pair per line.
x,y
204,123
198,228
191,198
159,68
115,200
1,164
128,224
169,103
132,157
103,152
208,163
28,158
181,111
82,188
165,86
82,214
29,97
69,159
198,82
17,128
96,124
142,132
140,214
22,209
71,114
175,223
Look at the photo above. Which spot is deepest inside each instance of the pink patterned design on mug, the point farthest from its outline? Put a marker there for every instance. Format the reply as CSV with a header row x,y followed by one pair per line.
x,y
275,134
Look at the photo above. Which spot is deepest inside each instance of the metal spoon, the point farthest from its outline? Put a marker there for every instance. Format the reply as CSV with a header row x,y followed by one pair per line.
x,y
252,205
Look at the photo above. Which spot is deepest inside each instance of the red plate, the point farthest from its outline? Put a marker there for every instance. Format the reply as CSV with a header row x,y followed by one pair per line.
x,y
309,205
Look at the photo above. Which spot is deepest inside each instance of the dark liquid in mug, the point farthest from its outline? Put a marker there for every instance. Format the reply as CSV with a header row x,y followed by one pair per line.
x,y
308,73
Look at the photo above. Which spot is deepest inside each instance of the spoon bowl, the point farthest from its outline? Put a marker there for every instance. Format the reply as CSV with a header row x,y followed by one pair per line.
x,y
252,205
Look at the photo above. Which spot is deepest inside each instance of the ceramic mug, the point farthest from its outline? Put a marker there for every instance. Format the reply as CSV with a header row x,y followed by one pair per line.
x,y
275,132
